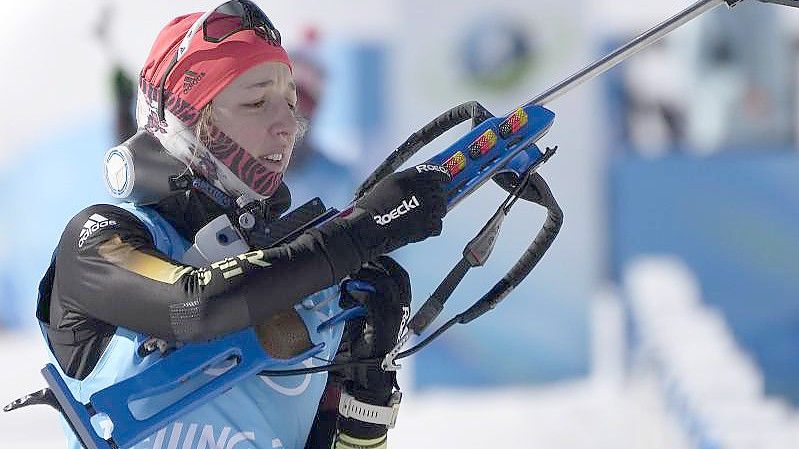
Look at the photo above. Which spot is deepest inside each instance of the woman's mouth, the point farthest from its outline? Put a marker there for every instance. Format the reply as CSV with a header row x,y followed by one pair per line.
x,y
277,157
272,160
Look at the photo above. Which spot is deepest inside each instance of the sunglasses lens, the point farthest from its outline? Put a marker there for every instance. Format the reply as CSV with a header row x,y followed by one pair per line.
x,y
224,21
235,16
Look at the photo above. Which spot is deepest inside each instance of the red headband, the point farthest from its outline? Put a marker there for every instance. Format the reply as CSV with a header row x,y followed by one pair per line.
x,y
205,69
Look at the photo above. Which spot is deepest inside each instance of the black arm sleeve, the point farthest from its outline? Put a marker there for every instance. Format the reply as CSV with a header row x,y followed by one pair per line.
x,y
107,268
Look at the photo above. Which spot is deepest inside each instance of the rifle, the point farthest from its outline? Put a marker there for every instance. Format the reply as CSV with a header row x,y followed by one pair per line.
x,y
503,148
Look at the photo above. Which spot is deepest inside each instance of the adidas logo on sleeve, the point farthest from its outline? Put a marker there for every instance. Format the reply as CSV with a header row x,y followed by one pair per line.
x,y
94,223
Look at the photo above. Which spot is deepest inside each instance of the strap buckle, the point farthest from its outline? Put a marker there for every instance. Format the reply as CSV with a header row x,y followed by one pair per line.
x,y
349,407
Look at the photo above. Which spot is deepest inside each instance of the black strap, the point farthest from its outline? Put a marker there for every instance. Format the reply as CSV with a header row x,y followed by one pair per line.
x,y
435,304
441,124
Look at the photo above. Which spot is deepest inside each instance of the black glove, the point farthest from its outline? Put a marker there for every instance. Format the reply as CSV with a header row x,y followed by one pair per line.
x,y
374,336
403,208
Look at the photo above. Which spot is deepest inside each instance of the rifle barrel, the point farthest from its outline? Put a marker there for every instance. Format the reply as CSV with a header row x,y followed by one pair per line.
x,y
622,53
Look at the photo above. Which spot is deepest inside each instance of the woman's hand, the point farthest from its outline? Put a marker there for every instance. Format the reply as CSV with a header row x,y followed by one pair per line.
x,y
403,208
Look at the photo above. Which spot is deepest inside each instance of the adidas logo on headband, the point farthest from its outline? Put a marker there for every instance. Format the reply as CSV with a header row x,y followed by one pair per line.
x,y
191,79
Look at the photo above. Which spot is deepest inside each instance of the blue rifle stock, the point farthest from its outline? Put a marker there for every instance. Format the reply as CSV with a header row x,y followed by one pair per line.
x,y
498,144
241,350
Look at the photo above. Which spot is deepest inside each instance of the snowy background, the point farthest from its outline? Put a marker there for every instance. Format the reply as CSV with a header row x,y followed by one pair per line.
x,y
665,315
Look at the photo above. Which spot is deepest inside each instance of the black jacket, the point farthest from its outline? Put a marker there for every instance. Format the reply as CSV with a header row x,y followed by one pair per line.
x,y
112,275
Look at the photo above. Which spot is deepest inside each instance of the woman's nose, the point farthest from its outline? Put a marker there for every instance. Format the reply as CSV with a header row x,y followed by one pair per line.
x,y
285,123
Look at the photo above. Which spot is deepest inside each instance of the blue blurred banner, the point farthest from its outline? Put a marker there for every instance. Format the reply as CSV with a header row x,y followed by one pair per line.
x,y
43,187
734,219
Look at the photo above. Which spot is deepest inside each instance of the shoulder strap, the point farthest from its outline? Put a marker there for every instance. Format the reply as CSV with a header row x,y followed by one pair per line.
x,y
166,238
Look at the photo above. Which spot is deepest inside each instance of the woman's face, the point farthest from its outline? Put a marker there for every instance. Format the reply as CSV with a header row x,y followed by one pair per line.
x,y
257,111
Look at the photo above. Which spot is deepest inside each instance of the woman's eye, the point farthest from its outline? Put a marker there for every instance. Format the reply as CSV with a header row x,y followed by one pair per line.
x,y
256,104
292,106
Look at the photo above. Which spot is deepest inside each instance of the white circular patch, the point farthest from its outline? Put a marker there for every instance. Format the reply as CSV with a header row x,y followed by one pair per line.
x,y
288,390
119,173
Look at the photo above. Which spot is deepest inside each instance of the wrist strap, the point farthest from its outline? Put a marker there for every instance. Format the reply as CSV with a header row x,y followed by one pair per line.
x,y
349,407
344,441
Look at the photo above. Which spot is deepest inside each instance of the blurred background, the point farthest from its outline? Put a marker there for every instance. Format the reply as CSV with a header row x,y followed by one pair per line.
x,y
666,315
